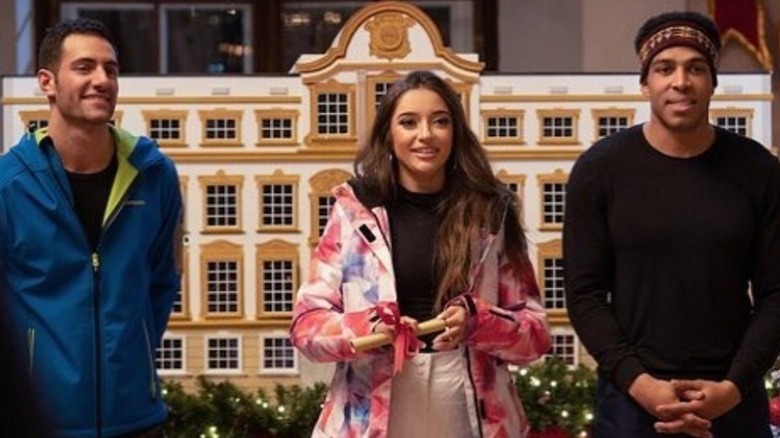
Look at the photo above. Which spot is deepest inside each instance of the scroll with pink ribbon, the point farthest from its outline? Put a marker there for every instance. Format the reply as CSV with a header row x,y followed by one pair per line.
x,y
405,343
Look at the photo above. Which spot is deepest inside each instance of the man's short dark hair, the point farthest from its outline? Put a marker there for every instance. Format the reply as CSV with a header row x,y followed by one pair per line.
x,y
50,52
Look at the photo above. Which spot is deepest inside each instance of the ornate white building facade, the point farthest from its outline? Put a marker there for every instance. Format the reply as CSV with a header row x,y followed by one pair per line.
x,y
257,157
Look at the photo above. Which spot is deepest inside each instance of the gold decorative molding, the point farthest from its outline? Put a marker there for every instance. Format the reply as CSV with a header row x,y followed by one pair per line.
x,y
347,155
527,98
389,35
339,50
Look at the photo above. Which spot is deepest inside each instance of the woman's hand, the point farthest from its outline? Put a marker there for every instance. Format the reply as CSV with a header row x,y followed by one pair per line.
x,y
455,319
381,327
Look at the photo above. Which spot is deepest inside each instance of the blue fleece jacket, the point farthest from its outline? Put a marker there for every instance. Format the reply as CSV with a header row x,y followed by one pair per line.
x,y
91,320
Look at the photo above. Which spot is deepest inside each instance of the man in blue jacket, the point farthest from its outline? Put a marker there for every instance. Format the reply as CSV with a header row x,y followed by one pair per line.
x,y
89,217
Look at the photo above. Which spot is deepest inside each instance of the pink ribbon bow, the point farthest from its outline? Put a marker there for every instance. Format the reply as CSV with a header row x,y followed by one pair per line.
x,y
405,342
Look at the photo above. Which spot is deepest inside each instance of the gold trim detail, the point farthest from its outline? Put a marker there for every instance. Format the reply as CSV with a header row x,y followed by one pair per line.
x,y
389,35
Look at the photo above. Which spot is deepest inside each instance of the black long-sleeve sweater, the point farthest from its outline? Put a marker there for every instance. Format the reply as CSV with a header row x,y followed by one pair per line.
x,y
659,253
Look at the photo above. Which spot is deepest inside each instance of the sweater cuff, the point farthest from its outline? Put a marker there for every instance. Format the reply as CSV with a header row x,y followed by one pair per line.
x,y
627,371
743,384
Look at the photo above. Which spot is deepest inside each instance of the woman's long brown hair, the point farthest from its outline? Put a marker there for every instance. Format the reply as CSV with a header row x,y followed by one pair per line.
x,y
474,201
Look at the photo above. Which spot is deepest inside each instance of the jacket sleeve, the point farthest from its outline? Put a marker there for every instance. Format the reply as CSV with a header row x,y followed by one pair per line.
x,y
515,328
165,261
321,329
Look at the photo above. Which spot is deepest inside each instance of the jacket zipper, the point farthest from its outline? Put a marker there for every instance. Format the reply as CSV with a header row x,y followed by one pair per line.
x,y
98,320
98,347
31,348
479,403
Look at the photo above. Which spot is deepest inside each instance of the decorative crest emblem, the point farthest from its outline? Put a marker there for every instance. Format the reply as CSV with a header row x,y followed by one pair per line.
x,y
389,35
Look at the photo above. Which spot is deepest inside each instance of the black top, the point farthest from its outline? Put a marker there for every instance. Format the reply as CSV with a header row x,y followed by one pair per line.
x,y
659,253
90,196
413,231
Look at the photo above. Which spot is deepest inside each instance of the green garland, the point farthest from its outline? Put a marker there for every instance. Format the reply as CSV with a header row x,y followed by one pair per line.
x,y
554,396
557,396
221,410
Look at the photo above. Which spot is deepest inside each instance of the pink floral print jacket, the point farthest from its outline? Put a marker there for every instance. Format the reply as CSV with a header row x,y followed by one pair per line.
x,y
351,271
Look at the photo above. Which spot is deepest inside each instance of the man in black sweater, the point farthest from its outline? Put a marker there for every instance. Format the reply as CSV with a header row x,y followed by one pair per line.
x,y
671,251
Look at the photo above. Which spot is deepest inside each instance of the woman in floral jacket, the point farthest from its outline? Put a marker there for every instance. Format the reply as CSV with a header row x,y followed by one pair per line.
x,y
424,231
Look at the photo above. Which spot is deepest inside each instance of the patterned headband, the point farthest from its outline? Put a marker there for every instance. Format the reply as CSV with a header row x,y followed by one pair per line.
x,y
677,35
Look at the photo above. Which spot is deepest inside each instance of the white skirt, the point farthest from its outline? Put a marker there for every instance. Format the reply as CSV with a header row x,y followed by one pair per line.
x,y
429,398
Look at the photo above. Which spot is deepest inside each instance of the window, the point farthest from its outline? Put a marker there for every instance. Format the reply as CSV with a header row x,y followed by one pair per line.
x,y
180,308
278,355
277,127
222,279
223,353
214,37
222,202
515,183
551,278
554,194
324,204
502,126
277,268
221,127
278,202
333,113
564,346
277,285
321,199
380,89
132,25
553,284
222,286
221,205
558,126
611,121
167,127
33,120
553,198
206,38
376,88
332,118
733,119
169,357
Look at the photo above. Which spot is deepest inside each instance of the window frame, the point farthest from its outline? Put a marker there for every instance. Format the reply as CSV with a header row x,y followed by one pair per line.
x,y
175,371
276,251
563,113
207,370
222,251
167,114
746,113
557,177
222,179
277,335
598,113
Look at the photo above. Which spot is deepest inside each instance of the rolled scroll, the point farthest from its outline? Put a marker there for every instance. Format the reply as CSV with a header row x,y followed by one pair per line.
x,y
363,343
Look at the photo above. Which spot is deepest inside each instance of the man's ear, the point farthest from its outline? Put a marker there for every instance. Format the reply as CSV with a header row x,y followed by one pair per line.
x,y
47,82
645,90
